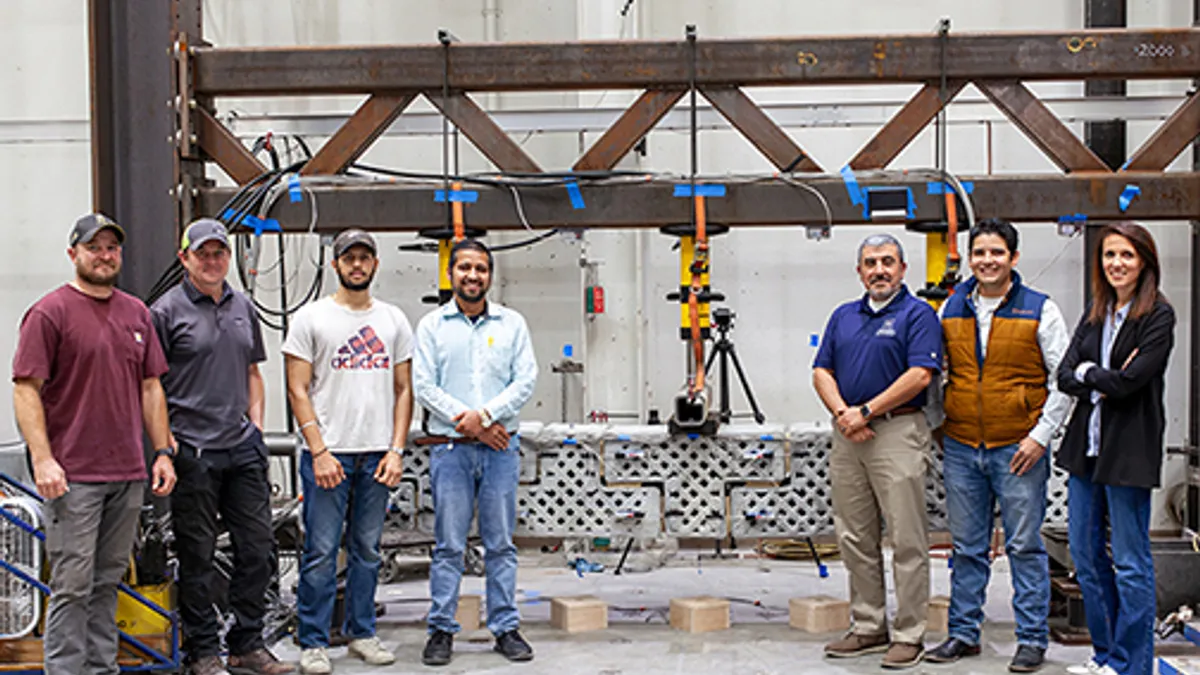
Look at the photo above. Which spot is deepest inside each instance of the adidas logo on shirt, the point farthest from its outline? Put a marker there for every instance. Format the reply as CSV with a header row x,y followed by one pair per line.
x,y
363,351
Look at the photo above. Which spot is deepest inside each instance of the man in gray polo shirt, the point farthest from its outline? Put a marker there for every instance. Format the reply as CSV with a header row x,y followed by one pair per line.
x,y
213,343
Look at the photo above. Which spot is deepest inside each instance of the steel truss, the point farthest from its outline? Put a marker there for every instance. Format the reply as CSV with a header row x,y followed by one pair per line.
x,y
998,64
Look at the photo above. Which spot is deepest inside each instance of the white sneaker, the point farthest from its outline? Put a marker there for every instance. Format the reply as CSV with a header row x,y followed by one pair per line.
x,y
371,651
1091,668
315,662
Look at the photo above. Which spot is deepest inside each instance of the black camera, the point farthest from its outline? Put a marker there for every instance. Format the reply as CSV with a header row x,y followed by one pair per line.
x,y
723,317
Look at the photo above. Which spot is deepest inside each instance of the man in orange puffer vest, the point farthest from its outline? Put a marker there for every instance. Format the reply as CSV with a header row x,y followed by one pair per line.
x,y
1004,342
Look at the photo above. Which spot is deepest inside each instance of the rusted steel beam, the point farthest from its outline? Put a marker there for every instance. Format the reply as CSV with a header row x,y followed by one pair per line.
x,y
357,134
482,130
905,125
225,149
762,132
1067,55
1041,198
1046,131
630,127
1170,139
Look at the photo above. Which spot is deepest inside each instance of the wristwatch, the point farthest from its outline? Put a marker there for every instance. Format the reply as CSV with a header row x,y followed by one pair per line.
x,y
397,449
865,410
164,452
485,418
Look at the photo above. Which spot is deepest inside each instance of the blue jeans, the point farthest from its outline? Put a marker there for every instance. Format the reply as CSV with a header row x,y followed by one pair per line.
x,y
466,476
1118,592
324,516
976,479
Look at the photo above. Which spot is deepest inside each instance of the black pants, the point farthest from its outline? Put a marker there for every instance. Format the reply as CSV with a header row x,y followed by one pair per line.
x,y
231,483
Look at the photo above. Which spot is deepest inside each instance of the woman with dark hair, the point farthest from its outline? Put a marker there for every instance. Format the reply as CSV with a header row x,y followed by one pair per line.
x,y
1113,446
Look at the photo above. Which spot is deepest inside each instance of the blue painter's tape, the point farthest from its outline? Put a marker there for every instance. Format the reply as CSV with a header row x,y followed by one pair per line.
x,y
939,188
294,192
229,214
259,225
575,195
570,441
1073,218
708,190
469,196
766,437
814,340
692,437
623,437
1125,165
1130,193
856,193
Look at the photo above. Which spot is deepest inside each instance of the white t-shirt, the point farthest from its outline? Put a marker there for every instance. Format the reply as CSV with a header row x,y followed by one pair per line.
x,y
985,309
353,354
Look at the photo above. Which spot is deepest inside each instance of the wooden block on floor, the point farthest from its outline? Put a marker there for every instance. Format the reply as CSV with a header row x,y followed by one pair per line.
x,y
469,609
579,614
701,614
938,617
819,614
20,653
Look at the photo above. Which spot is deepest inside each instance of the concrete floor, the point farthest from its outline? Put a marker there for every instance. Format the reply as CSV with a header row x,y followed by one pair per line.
x,y
638,641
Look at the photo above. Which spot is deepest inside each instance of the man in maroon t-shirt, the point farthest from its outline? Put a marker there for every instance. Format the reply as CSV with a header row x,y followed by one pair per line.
x,y
85,379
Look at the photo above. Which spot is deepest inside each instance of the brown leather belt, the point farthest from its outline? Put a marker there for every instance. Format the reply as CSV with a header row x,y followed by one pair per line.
x,y
442,440
902,410
431,440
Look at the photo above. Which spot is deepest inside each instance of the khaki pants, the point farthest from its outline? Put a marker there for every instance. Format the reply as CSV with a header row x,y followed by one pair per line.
x,y
884,479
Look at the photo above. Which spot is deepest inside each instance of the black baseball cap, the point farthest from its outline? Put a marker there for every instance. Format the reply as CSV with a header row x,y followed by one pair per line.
x,y
87,227
201,231
353,237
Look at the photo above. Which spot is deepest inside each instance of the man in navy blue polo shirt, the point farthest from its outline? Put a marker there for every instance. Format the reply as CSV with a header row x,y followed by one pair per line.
x,y
878,356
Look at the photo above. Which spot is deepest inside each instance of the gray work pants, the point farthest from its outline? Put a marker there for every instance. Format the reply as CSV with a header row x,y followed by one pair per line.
x,y
89,536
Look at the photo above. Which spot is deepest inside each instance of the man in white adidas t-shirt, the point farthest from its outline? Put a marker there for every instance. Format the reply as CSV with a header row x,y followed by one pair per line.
x,y
349,384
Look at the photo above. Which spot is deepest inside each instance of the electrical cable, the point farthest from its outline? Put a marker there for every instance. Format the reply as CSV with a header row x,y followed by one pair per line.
x,y
1054,260
520,208
815,192
505,179
525,242
175,272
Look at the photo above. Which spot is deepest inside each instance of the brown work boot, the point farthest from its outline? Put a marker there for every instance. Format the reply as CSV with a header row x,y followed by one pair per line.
x,y
208,665
258,662
856,645
903,655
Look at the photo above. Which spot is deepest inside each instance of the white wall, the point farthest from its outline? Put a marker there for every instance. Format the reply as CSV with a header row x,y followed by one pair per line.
x,y
782,286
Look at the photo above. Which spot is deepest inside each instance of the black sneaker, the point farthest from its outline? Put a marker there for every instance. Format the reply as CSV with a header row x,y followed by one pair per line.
x,y
952,650
1027,659
438,648
513,646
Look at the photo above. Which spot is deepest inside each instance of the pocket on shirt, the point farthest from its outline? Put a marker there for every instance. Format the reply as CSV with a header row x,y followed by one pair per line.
x,y
129,344
498,365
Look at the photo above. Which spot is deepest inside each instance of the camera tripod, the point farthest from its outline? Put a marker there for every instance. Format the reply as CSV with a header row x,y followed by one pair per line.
x,y
723,347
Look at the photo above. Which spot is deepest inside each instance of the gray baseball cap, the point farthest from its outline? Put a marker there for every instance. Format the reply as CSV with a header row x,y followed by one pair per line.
x,y
353,237
201,231
87,227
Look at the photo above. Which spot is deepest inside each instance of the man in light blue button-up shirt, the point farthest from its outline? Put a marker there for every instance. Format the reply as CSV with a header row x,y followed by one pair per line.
x,y
473,370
